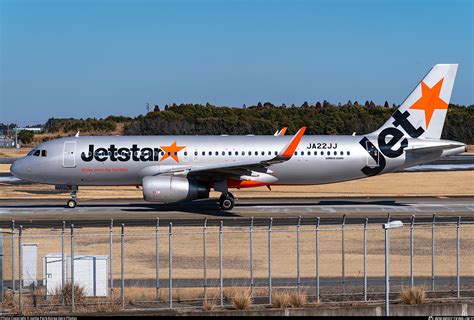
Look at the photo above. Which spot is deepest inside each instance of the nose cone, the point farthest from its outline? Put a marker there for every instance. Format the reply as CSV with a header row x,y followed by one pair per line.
x,y
18,169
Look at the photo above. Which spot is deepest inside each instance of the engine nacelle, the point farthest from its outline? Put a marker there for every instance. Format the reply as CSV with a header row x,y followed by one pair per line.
x,y
168,188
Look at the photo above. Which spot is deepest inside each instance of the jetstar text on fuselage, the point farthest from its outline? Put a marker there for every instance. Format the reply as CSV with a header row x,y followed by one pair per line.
x,y
113,153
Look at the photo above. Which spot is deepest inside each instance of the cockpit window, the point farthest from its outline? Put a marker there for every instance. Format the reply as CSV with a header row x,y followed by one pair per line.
x,y
31,152
43,153
37,153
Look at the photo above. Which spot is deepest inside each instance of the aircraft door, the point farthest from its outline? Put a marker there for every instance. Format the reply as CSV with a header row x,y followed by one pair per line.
x,y
69,154
373,155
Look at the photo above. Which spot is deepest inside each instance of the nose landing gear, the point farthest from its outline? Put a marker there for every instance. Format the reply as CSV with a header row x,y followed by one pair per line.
x,y
226,201
72,203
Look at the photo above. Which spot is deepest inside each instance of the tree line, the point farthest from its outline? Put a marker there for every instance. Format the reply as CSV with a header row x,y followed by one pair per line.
x,y
320,118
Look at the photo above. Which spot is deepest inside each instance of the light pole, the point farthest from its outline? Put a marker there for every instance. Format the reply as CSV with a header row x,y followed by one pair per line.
x,y
386,227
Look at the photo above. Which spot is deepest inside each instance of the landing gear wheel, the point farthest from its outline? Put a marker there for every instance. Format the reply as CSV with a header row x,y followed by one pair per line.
x,y
226,202
71,203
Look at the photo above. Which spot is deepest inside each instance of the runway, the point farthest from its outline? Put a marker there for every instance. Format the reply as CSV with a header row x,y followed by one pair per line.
x,y
284,211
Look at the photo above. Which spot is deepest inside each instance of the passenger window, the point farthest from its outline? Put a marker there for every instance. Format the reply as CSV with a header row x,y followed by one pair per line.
x,y
185,153
210,153
256,153
335,153
203,153
217,153
263,153
342,153
196,153
162,153
250,153
309,153
243,153
223,153
329,153
276,153
348,153
296,153
230,153
43,153
236,153
322,153
315,153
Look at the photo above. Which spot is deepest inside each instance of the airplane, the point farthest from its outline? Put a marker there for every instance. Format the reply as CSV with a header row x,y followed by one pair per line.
x,y
180,168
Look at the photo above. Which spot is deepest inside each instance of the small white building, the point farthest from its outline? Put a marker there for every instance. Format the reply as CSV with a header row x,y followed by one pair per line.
x,y
90,272
29,264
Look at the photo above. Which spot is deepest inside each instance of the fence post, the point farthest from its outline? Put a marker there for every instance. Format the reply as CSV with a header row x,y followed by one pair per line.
x,y
298,277
365,258
13,258
433,254
251,257
72,267
220,265
458,280
63,265
343,257
157,258
122,269
111,254
412,250
170,265
270,261
317,258
204,236
20,258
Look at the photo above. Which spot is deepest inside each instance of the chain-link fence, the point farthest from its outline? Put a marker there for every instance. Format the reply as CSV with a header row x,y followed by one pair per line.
x,y
162,266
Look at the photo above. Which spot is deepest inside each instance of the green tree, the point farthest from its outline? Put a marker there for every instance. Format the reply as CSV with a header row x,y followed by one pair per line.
x,y
26,136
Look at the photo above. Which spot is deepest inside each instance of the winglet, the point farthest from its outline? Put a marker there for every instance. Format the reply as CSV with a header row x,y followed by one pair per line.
x,y
280,133
290,148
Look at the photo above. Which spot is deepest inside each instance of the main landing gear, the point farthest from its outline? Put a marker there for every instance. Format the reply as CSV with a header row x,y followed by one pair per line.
x,y
226,201
72,203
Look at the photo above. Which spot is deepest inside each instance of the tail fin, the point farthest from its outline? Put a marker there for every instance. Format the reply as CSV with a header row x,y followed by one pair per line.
x,y
422,114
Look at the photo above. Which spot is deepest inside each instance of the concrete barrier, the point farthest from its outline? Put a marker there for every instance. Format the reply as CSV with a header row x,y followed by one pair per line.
x,y
428,309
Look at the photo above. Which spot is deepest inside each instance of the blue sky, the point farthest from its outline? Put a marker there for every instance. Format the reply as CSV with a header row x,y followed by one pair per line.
x,y
96,58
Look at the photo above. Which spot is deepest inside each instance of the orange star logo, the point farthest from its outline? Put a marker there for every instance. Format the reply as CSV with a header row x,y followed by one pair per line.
x,y
430,100
171,151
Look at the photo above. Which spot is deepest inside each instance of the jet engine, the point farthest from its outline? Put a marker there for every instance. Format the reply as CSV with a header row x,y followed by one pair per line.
x,y
168,188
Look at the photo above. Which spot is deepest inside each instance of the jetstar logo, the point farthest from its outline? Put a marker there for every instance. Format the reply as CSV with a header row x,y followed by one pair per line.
x,y
428,102
134,153
121,154
386,147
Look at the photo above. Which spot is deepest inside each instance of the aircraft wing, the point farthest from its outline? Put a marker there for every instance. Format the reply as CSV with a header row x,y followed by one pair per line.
x,y
243,168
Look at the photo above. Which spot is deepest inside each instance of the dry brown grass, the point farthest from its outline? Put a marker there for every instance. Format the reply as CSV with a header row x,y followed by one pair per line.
x,y
241,299
281,299
298,299
79,295
415,295
108,305
209,304
8,301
